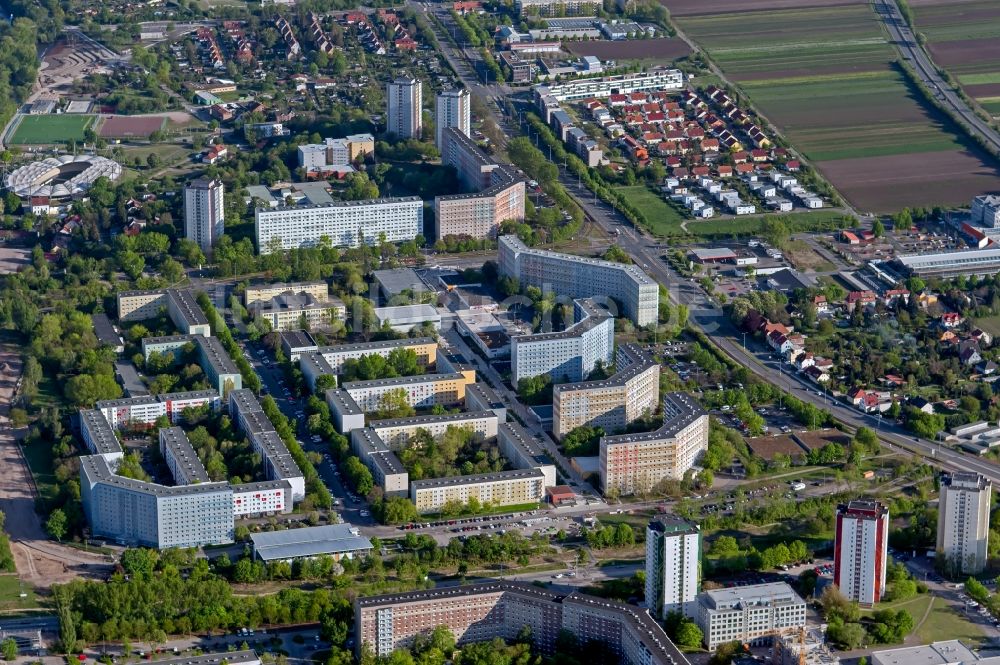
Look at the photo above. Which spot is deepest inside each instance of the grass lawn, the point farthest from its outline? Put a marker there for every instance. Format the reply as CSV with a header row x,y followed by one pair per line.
x,y
663,219
10,591
820,220
805,258
943,623
51,128
39,458
990,324
499,510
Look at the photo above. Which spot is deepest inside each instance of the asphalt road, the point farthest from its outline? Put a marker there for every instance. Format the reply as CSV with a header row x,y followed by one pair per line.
x,y
904,39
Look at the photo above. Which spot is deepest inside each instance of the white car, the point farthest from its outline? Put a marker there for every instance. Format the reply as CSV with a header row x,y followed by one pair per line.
x,y
364,513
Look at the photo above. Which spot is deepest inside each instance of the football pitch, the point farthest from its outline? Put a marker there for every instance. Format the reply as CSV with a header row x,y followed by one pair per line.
x,y
51,128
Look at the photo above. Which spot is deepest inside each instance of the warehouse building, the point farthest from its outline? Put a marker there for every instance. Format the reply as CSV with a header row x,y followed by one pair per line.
x,y
340,541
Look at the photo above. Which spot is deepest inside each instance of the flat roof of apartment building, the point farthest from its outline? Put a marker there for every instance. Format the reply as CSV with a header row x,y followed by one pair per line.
x,y
402,381
102,436
341,204
96,467
515,244
529,445
377,346
374,448
419,421
344,402
679,411
186,303
592,317
475,479
771,593
176,441
297,339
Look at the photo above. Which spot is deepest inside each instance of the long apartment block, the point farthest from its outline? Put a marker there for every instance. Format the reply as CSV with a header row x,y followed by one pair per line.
x,y
249,416
605,86
499,191
569,355
254,292
422,391
397,432
492,608
193,512
342,223
634,463
613,403
581,277
387,471
329,360
139,412
502,488
181,305
523,451
287,311
212,357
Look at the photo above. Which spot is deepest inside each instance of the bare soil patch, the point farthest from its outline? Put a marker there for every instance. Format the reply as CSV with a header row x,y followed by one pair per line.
x,y
983,90
886,184
126,127
12,259
701,7
766,447
636,49
964,52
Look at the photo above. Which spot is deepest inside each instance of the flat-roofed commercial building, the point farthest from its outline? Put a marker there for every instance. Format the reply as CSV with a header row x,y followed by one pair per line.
x,y
318,290
605,86
947,652
569,355
422,391
491,608
503,488
401,286
613,403
181,305
749,614
288,311
339,541
523,451
975,262
397,432
581,277
342,223
329,360
963,531
480,214
403,318
633,463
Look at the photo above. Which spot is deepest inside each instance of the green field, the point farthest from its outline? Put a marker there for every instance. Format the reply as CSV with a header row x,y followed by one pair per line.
x,y
43,129
662,218
39,458
11,589
826,78
943,623
665,221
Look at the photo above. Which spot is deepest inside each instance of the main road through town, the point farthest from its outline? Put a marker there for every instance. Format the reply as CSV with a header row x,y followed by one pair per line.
x,y
902,36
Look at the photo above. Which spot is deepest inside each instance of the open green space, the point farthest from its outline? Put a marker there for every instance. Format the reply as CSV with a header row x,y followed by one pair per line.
x,y
990,324
663,219
41,129
951,21
943,623
39,459
11,589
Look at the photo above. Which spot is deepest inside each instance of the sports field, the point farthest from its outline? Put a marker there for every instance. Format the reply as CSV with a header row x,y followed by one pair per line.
x,y
824,75
43,129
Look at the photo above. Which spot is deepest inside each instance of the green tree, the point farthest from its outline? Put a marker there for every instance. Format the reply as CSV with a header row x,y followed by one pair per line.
x,y
139,560
57,524
689,635
9,647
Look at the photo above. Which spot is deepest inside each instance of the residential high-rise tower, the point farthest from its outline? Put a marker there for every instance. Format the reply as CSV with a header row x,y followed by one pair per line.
x,y
404,97
964,521
673,564
860,550
204,212
453,110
